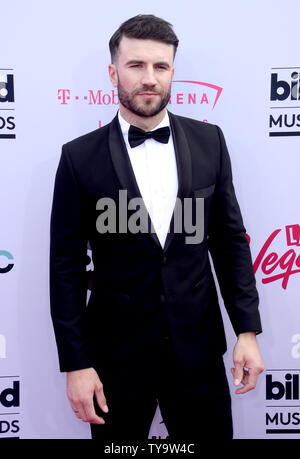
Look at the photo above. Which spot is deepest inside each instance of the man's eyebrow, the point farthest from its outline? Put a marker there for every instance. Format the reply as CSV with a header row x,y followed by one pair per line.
x,y
165,64
134,61
138,61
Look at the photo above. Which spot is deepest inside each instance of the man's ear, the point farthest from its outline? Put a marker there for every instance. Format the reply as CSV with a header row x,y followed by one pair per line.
x,y
113,74
172,71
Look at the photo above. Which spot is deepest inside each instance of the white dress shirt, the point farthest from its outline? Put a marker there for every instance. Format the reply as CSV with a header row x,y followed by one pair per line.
x,y
155,169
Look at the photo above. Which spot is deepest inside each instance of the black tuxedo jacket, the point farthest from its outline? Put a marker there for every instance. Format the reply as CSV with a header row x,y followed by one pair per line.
x,y
141,291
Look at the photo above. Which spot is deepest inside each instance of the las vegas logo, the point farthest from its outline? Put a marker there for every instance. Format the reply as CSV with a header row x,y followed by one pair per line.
x,y
279,266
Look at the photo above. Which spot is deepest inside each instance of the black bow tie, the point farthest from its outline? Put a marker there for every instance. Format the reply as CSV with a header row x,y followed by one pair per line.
x,y
137,136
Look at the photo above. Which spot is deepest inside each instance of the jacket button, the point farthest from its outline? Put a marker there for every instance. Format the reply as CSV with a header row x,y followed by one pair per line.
x,y
162,298
164,260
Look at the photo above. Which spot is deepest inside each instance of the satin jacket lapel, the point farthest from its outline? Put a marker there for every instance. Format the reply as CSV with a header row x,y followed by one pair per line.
x,y
123,168
184,167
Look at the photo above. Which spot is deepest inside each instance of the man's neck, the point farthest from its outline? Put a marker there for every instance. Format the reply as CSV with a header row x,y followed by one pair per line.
x,y
146,123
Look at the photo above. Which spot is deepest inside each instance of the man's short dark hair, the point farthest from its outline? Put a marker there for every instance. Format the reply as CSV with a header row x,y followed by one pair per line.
x,y
143,26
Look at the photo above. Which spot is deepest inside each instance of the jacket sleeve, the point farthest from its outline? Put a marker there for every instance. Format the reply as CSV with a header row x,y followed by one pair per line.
x,y
68,250
230,251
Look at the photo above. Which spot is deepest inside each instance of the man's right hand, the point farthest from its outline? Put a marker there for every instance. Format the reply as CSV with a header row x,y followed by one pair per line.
x,y
82,386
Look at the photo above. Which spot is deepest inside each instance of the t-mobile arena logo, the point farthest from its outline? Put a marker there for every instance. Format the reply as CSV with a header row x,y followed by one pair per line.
x,y
188,217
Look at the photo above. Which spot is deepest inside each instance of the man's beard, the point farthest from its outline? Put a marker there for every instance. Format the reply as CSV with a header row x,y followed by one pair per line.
x,y
147,109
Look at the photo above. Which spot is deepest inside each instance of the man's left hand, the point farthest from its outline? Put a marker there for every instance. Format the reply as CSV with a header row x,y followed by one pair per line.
x,y
247,361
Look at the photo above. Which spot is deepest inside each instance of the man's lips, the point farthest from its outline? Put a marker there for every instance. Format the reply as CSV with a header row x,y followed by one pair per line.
x,y
148,94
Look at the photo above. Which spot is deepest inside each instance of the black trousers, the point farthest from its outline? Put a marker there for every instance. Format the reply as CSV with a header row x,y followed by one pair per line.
x,y
194,406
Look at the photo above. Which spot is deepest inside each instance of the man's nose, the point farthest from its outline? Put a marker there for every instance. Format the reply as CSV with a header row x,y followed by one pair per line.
x,y
148,78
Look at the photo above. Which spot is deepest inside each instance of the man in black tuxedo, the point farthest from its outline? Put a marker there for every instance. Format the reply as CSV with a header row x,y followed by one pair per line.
x,y
152,330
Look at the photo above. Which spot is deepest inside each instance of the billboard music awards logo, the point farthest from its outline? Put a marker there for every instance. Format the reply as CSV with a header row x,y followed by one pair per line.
x,y
284,118
197,95
9,385
9,406
7,99
2,347
295,352
283,401
6,259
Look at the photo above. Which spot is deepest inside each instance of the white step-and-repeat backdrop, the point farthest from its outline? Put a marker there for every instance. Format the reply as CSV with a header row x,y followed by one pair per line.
x,y
238,66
